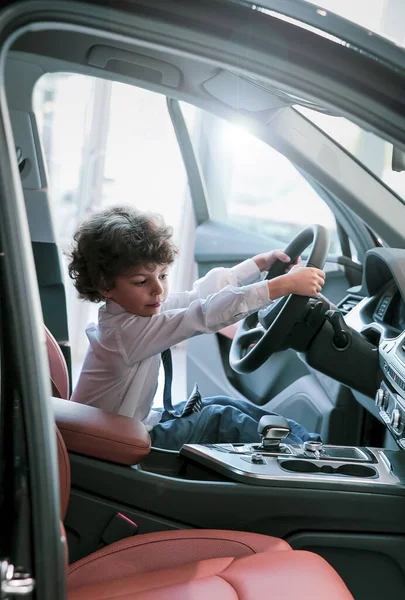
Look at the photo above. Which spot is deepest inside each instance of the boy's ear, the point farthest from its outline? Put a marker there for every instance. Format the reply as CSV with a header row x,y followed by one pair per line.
x,y
106,293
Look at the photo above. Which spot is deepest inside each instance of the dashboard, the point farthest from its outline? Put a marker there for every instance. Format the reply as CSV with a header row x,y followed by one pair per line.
x,y
377,312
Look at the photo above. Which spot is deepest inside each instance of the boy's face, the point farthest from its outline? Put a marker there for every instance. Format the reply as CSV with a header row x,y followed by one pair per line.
x,y
142,291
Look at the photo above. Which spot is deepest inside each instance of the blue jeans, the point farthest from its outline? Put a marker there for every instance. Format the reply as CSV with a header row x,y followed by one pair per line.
x,y
221,420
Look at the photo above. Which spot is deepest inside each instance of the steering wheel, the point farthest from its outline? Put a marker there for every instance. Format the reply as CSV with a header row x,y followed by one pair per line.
x,y
254,344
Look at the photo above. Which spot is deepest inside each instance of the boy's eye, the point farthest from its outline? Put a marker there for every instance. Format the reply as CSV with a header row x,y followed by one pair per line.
x,y
164,276
140,282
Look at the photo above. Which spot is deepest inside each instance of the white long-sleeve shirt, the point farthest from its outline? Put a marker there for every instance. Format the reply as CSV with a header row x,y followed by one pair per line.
x,y
120,371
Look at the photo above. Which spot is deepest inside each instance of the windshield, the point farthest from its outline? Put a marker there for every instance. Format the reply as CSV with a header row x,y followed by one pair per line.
x,y
369,149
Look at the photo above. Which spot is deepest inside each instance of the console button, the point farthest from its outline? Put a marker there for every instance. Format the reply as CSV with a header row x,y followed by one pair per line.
x,y
381,398
257,458
395,419
313,446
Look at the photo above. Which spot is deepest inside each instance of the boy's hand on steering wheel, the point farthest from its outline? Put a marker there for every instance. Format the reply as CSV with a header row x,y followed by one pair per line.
x,y
304,281
266,260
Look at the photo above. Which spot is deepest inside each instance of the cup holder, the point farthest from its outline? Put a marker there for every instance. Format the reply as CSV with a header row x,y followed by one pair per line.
x,y
306,466
356,471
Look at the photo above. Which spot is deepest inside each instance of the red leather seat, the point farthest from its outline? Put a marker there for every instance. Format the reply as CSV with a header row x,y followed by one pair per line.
x,y
193,564
57,367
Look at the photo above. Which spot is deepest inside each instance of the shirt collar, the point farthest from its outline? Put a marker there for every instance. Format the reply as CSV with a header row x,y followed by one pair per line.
x,y
112,308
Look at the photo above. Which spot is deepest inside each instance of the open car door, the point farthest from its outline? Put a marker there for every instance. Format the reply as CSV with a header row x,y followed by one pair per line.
x,y
249,198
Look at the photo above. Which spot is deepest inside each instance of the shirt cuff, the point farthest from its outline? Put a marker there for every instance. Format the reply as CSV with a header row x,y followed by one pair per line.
x,y
257,295
245,273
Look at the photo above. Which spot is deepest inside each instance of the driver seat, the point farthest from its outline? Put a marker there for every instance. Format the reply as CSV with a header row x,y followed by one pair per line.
x,y
191,563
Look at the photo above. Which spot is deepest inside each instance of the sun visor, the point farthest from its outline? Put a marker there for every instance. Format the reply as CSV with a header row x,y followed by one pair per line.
x,y
241,94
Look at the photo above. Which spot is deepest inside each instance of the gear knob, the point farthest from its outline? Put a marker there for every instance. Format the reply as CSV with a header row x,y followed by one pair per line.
x,y
273,429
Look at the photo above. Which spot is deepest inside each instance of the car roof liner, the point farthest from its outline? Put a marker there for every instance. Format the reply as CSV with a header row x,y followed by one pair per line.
x,y
249,67
157,71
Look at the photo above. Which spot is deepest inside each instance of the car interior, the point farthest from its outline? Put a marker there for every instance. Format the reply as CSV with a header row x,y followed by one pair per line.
x,y
232,520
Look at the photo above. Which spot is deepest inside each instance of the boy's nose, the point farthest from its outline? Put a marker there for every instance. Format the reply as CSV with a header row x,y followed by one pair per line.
x,y
158,289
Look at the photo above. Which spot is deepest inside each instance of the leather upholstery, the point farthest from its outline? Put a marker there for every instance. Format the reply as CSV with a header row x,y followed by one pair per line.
x,y
168,549
174,565
93,432
272,574
57,367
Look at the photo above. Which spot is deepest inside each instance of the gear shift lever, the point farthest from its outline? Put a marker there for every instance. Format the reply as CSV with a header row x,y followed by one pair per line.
x,y
272,429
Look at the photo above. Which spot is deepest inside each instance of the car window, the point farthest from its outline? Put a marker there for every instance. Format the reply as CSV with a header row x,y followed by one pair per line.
x,y
106,143
369,149
255,187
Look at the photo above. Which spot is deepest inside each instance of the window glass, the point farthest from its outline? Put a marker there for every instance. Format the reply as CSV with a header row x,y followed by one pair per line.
x,y
371,150
255,187
106,143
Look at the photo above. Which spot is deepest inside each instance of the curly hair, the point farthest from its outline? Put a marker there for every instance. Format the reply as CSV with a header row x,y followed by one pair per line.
x,y
114,242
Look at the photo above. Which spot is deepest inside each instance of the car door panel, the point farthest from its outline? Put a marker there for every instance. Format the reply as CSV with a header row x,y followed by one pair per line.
x,y
284,383
222,245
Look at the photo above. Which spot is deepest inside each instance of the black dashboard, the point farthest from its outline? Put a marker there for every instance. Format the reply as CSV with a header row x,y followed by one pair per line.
x,y
377,312
390,309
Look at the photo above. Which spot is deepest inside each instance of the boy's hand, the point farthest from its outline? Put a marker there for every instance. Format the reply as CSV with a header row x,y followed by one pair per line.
x,y
304,281
266,260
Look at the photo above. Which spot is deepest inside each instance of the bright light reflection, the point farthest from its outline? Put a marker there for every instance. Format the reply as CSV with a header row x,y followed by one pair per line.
x,y
236,133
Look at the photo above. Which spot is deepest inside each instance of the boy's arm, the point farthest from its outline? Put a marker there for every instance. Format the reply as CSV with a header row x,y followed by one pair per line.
x,y
247,272
244,273
142,337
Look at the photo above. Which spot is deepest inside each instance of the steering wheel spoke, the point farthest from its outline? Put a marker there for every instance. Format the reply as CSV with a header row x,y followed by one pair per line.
x,y
266,316
251,337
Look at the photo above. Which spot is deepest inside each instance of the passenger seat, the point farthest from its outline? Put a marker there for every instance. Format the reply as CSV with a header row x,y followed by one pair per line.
x,y
197,565
190,564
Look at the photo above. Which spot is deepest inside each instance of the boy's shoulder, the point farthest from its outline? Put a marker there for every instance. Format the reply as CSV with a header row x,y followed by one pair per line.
x,y
112,314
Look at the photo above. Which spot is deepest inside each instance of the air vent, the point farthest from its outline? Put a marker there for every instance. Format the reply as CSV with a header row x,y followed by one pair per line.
x,y
348,303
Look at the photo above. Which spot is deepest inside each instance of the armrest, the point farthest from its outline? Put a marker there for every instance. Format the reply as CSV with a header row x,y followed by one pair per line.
x,y
94,432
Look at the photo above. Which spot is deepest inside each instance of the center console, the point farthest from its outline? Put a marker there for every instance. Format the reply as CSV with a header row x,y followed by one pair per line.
x,y
273,461
299,464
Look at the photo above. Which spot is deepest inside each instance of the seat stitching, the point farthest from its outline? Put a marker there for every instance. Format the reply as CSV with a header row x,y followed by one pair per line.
x,y
112,552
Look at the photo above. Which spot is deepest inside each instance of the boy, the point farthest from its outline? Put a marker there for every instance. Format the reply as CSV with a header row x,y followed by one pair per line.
x,y
122,256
